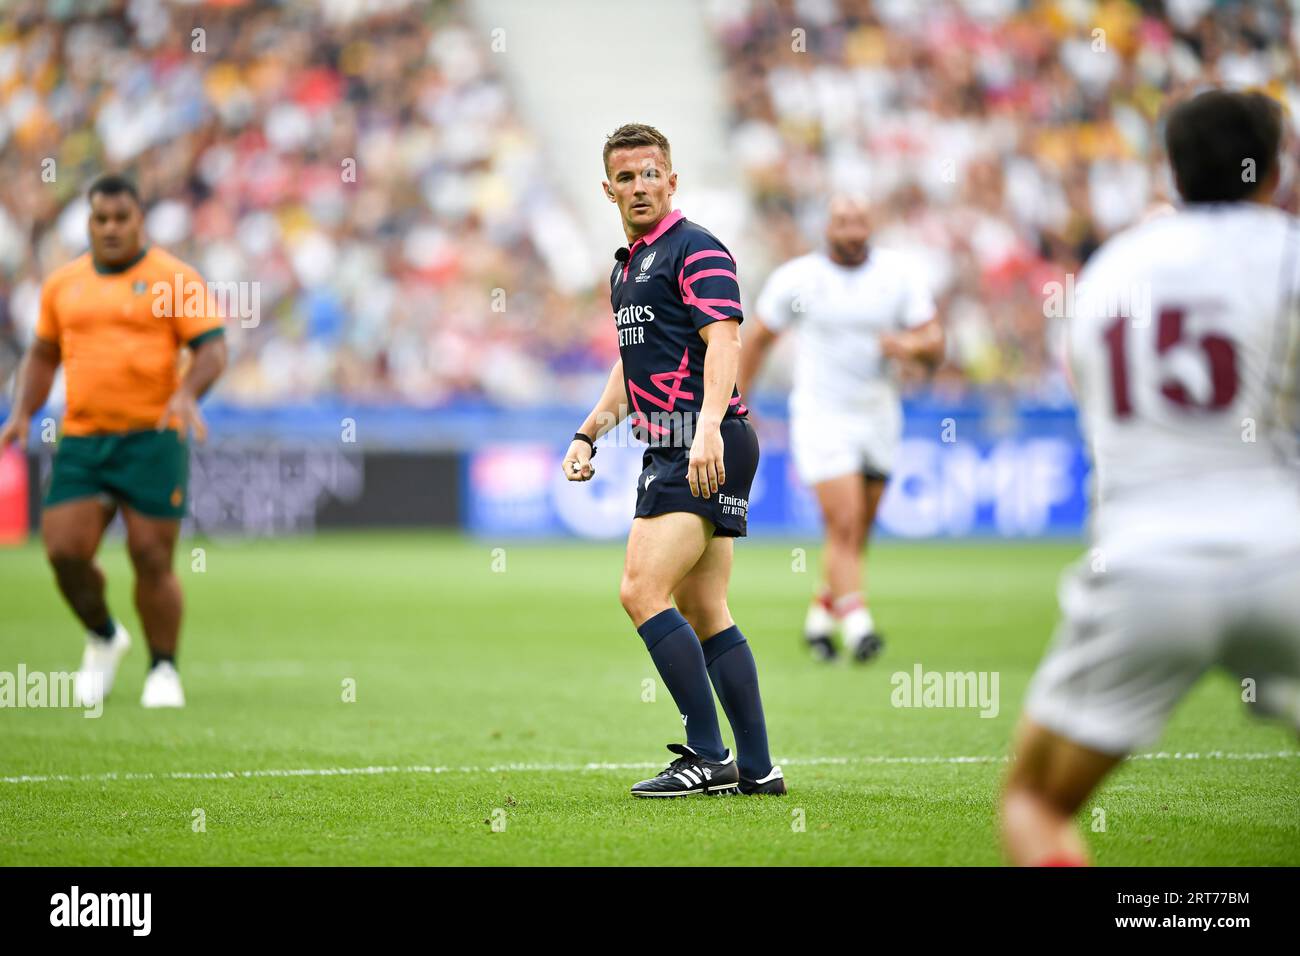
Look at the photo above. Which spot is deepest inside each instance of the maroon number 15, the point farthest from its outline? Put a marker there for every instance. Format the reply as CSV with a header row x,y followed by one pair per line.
x,y
1219,353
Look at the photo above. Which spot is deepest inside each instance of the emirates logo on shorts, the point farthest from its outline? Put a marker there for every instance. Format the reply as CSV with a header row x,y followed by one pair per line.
x,y
732,505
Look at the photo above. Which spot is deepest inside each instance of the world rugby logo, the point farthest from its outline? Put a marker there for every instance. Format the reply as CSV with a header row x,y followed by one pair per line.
x,y
645,263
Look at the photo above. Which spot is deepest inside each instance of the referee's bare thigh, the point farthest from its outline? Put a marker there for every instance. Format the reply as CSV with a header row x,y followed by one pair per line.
x,y
661,551
701,597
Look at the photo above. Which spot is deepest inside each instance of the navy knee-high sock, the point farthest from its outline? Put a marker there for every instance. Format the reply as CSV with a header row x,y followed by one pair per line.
x,y
675,649
735,677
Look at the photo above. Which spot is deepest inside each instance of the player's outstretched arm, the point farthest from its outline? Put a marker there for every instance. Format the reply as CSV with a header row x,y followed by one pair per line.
x,y
35,380
207,366
705,471
608,412
759,338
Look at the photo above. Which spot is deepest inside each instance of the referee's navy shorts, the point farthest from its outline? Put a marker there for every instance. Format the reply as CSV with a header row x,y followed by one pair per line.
x,y
662,486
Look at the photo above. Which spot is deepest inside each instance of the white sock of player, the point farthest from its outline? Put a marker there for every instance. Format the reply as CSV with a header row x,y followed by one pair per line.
x,y
854,618
819,622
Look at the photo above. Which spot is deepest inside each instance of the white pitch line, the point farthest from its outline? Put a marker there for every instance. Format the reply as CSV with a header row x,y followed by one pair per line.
x,y
577,768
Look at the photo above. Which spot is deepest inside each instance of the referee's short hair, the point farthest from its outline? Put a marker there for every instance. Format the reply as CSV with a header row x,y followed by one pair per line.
x,y
632,135
1222,144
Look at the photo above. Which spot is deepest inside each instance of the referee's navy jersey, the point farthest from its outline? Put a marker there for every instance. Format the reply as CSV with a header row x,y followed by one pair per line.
x,y
677,279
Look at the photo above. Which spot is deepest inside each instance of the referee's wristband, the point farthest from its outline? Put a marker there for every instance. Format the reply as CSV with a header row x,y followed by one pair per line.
x,y
579,436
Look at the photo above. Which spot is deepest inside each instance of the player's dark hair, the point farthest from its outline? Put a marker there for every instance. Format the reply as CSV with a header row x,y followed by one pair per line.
x,y
113,184
632,135
1222,145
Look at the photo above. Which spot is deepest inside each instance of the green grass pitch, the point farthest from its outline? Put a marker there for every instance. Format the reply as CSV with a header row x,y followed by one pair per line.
x,y
494,688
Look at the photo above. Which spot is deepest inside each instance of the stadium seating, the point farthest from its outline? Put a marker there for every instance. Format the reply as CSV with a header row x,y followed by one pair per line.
x,y
1000,144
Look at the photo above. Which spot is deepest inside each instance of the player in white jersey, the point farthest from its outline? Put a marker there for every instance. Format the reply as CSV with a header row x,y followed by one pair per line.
x,y
854,309
1181,347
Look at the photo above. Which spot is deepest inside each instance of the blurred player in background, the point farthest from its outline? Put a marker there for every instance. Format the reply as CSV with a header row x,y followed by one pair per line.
x,y
676,306
128,414
1188,406
854,308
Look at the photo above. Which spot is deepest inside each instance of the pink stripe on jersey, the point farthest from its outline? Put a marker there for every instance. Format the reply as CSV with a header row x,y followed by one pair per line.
x,y
707,310
684,283
706,254
671,385
705,273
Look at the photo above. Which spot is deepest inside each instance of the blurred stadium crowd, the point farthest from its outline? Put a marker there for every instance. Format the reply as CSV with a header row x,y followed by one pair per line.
x,y
1000,140
376,275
